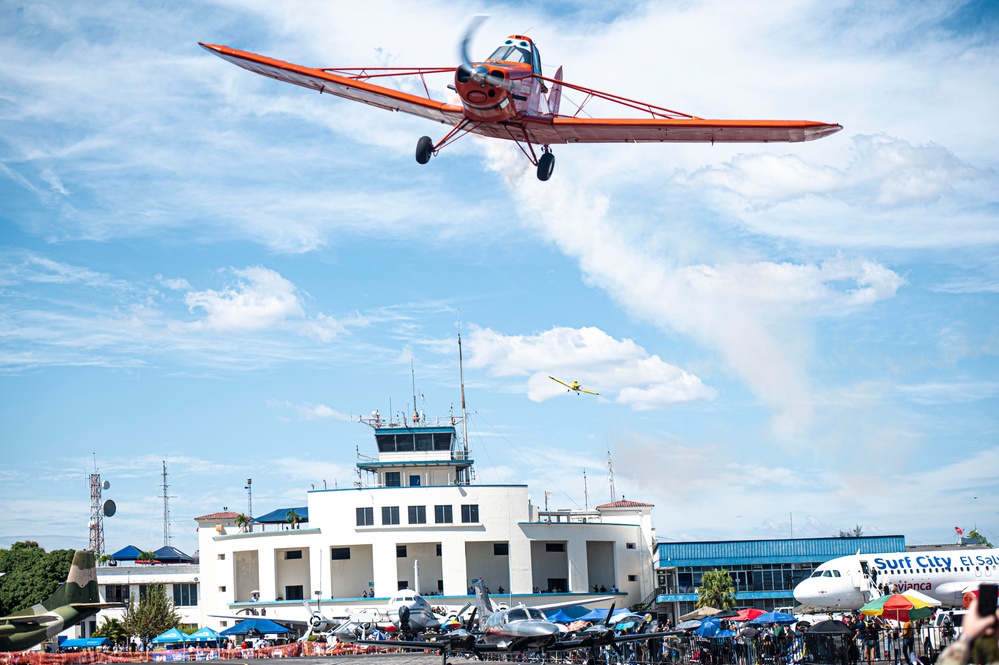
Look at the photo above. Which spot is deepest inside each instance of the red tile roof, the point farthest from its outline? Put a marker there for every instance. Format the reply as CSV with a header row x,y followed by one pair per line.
x,y
225,515
625,504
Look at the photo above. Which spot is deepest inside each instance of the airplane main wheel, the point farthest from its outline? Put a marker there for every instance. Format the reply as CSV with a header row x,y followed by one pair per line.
x,y
424,149
546,164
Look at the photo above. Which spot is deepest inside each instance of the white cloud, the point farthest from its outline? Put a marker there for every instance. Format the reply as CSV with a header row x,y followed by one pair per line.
x,y
261,299
617,369
310,411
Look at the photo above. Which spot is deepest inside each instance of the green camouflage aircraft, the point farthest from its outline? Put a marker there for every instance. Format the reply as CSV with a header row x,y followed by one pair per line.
x,y
73,602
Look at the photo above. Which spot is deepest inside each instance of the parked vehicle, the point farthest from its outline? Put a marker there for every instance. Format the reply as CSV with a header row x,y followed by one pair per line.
x,y
942,629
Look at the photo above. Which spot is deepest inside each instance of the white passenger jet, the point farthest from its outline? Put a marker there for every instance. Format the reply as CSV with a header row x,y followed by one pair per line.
x,y
847,583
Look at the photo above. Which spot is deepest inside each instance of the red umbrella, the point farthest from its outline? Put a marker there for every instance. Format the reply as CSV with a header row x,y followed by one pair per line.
x,y
747,614
391,628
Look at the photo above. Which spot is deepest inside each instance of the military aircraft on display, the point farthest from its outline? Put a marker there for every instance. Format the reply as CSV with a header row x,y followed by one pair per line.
x,y
506,96
73,602
511,630
407,612
847,582
573,386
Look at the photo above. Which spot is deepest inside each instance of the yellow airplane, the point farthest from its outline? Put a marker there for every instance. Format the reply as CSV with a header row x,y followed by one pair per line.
x,y
572,386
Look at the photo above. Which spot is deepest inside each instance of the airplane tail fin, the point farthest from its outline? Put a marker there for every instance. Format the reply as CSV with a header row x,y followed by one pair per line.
x,y
81,583
555,96
482,602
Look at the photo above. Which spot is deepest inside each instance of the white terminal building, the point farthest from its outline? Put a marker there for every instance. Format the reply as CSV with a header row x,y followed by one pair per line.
x,y
417,512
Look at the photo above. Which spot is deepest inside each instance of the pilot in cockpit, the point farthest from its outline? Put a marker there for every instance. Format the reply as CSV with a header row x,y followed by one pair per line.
x,y
519,50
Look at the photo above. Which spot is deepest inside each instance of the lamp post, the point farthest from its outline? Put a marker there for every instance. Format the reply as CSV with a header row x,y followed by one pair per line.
x,y
249,497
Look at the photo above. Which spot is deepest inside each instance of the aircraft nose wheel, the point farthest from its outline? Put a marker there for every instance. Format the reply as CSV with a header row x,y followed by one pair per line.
x,y
546,164
425,149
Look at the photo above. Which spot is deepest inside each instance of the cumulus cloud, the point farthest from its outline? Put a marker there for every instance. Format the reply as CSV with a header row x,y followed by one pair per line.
x,y
310,411
259,299
619,369
755,314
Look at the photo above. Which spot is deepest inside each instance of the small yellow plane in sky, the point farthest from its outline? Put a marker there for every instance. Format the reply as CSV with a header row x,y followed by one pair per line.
x,y
573,386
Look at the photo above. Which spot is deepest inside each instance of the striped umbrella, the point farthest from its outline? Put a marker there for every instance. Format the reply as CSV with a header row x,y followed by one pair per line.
x,y
897,607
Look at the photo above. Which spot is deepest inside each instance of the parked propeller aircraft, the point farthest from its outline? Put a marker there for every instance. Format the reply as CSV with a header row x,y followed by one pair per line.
x,y
73,602
573,386
506,96
846,583
513,630
407,611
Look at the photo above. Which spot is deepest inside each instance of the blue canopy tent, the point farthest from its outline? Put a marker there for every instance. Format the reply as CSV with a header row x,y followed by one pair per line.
x,y
204,635
83,643
172,636
168,554
567,614
129,553
600,614
261,626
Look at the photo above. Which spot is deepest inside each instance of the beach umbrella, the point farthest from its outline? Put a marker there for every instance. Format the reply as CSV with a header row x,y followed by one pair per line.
x,y
770,618
709,627
700,613
747,614
897,607
830,628
690,624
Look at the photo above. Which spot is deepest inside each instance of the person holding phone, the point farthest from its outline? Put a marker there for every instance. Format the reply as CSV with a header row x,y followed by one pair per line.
x,y
978,641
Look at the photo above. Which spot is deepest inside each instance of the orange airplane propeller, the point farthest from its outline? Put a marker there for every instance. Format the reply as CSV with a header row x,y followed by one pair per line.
x,y
506,97
573,386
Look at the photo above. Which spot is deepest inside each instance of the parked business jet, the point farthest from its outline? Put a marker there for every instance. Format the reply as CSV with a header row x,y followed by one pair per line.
x,y
848,582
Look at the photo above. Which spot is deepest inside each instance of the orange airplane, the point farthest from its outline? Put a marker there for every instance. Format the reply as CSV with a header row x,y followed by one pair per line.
x,y
507,97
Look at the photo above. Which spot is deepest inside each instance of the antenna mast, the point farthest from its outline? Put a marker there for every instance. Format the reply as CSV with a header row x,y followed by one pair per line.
x,y
166,509
586,496
464,415
610,472
96,513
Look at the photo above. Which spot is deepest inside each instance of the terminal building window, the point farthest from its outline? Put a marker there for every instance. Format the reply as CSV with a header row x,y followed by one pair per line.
x,y
185,595
340,553
470,513
296,592
400,552
417,514
116,593
501,549
365,517
390,515
293,554
393,479
443,515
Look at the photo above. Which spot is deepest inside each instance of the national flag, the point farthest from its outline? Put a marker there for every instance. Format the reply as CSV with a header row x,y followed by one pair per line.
x,y
959,530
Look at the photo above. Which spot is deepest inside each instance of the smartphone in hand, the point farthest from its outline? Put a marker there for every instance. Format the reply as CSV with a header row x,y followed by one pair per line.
x,y
986,599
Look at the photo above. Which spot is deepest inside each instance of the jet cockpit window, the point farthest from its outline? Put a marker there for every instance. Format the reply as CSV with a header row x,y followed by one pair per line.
x,y
517,615
827,573
817,573
836,573
513,50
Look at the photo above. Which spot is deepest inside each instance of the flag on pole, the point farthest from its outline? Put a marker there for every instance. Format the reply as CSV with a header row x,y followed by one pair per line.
x,y
959,530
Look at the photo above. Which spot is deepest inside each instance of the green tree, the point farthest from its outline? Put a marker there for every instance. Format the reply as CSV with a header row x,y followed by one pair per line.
x,y
114,630
146,556
855,532
153,614
30,574
982,540
293,518
243,522
716,590
104,559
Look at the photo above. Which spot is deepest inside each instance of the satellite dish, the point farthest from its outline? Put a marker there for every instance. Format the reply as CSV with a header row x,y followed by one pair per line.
x,y
106,485
109,508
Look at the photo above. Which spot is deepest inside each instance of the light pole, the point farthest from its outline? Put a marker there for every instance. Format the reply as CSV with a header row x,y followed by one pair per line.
x,y
249,497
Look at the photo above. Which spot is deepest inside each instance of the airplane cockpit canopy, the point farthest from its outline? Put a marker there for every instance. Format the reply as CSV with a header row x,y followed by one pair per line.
x,y
519,49
517,614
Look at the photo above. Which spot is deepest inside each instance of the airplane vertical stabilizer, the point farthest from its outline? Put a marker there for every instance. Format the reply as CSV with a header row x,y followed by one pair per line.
x,y
555,96
81,583
483,604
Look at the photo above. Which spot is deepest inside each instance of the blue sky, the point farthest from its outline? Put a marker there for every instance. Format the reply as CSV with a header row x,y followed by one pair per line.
x,y
207,267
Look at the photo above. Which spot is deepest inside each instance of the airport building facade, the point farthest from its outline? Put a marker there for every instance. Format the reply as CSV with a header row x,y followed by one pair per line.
x,y
417,520
764,572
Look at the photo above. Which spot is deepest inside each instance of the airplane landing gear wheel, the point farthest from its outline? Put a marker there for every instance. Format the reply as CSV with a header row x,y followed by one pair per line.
x,y
424,150
546,164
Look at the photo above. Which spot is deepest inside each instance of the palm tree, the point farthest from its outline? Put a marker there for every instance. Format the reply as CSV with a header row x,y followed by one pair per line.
x,y
243,522
293,518
716,590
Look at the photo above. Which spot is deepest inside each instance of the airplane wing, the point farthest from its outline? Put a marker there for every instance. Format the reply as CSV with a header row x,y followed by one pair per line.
x,y
547,131
560,381
325,81
31,619
588,392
